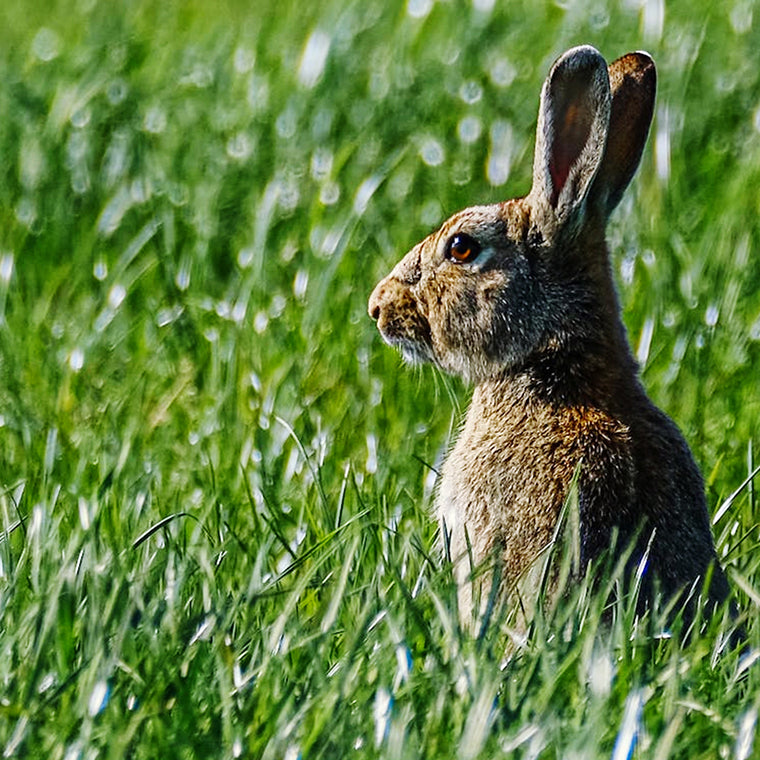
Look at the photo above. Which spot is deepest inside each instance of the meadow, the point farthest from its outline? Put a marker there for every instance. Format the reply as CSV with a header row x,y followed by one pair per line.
x,y
215,480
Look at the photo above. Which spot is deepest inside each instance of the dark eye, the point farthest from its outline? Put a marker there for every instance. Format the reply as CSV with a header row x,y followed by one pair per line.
x,y
462,248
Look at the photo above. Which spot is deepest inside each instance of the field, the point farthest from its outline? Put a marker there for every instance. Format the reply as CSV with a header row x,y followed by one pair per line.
x,y
215,480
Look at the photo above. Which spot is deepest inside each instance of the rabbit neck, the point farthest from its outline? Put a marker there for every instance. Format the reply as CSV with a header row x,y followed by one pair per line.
x,y
592,373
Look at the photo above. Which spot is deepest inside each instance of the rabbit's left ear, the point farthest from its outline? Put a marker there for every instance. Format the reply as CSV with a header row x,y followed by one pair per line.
x,y
633,83
573,123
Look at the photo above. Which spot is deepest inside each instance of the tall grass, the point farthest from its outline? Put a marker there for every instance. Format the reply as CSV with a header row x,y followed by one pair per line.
x,y
214,479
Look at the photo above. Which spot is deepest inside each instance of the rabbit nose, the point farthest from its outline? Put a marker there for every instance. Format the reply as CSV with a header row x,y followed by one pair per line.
x,y
374,307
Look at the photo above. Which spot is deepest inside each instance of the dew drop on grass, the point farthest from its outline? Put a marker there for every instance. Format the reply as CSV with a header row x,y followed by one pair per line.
x,y
46,682
258,93
286,123
32,162
222,309
321,163
116,92
26,211
754,330
419,8
403,663
239,146
382,714
245,257
300,283
365,192
182,278
483,6
470,92
431,152
84,513
200,76
6,267
500,156
371,464
469,129
662,144
399,184
45,45
113,213
155,120
80,118
429,481
73,751
277,307
741,17
239,311
627,268
502,72
76,359
98,698
260,322
116,296
314,58
204,630
243,59
711,315
291,465
653,12
329,194
51,448
746,736
100,270
645,341
601,671
629,727
431,213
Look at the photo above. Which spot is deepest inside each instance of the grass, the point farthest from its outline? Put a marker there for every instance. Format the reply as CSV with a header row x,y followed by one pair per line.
x,y
215,480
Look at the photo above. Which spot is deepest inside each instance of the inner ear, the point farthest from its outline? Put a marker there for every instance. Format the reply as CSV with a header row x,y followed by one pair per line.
x,y
573,118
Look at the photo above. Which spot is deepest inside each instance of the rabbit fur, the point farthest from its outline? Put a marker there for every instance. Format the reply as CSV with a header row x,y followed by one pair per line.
x,y
518,298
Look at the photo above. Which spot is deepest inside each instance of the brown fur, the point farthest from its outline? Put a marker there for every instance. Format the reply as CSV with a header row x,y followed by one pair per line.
x,y
534,322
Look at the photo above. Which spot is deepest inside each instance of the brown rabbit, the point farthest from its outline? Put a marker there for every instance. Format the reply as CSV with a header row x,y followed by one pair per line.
x,y
518,298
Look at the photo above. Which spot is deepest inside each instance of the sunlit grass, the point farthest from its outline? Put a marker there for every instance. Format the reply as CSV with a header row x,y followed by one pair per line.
x,y
215,480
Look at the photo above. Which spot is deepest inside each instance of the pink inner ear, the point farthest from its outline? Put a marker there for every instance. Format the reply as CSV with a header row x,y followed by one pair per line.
x,y
572,127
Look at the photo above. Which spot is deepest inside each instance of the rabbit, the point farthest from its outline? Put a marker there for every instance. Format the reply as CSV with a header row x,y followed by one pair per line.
x,y
518,298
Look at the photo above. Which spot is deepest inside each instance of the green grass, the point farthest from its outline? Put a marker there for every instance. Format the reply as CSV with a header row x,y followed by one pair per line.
x,y
215,480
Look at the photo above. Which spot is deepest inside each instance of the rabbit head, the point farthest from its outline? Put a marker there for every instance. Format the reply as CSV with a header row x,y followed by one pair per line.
x,y
496,285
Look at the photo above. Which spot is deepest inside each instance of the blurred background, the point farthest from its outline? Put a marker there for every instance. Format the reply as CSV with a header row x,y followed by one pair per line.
x,y
196,200
205,196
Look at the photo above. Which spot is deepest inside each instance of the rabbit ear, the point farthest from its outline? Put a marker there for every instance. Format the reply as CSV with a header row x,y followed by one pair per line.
x,y
573,122
633,82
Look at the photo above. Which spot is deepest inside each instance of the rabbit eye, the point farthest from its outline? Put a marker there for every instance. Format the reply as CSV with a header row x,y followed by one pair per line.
x,y
462,248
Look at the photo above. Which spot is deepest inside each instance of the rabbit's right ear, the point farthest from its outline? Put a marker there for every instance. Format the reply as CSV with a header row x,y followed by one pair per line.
x,y
573,122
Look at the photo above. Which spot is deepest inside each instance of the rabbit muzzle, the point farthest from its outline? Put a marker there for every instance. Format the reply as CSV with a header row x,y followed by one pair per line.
x,y
400,319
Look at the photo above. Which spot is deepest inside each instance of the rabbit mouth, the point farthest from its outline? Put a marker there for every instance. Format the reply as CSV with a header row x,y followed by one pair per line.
x,y
414,353
411,351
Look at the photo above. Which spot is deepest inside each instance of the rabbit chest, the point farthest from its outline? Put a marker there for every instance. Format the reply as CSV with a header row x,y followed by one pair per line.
x,y
506,479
